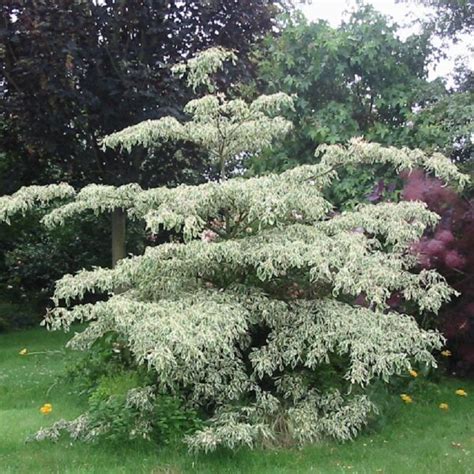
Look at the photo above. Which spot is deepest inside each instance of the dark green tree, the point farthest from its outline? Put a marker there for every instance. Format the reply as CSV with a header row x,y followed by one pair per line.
x,y
73,71
359,79
445,125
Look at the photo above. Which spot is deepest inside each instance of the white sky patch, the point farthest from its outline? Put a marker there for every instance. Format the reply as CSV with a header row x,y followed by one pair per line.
x,y
404,14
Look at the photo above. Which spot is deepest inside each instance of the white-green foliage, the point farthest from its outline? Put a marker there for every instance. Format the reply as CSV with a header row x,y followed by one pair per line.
x,y
251,312
84,428
245,318
225,128
30,197
402,159
200,68
96,198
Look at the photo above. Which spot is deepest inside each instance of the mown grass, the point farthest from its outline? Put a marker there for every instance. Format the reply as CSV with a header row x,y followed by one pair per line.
x,y
418,438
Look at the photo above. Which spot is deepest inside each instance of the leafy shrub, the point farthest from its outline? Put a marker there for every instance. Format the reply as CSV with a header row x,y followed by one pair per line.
x,y
108,375
120,411
172,420
109,413
448,248
249,320
108,357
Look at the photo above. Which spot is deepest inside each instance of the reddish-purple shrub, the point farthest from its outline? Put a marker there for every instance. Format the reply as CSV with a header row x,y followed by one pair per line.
x,y
449,249
454,260
445,236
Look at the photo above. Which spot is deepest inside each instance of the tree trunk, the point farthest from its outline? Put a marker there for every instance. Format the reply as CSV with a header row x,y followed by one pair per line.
x,y
118,235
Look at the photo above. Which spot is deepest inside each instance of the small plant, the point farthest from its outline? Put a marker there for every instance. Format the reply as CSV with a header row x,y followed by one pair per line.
x,y
108,357
120,411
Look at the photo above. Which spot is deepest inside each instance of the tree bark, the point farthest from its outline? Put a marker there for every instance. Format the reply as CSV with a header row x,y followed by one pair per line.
x,y
118,235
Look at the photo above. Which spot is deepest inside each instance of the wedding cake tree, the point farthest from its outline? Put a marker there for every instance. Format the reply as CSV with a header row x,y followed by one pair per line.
x,y
253,316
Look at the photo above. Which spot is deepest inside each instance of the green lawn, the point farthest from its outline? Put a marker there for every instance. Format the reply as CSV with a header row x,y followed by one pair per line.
x,y
418,438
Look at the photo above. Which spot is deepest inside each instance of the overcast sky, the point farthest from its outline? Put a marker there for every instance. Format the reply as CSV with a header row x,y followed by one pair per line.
x,y
403,14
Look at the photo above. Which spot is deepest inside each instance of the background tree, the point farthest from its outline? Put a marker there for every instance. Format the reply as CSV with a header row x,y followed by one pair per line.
x,y
446,125
73,71
359,79
450,17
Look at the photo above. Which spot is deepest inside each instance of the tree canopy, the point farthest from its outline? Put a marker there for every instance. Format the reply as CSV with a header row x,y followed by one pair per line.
x,y
359,79
72,72
450,18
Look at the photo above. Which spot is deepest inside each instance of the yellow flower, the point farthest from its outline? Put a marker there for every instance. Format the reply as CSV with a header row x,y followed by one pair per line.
x,y
46,409
413,373
23,352
461,392
406,398
446,353
444,406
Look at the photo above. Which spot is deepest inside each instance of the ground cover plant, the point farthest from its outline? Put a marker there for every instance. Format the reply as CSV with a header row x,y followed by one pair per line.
x,y
400,444
256,325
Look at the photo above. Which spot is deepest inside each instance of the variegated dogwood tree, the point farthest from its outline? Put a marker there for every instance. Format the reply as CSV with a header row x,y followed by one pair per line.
x,y
253,315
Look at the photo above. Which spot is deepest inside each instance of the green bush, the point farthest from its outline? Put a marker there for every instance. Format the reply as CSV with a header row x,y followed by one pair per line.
x,y
17,316
32,261
108,357
114,417
107,375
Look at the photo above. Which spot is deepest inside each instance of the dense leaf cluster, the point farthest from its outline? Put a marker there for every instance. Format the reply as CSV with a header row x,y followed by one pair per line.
x,y
244,319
